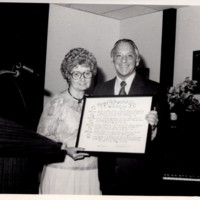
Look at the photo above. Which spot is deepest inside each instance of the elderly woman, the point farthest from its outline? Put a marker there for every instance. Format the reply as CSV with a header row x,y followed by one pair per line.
x,y
60,119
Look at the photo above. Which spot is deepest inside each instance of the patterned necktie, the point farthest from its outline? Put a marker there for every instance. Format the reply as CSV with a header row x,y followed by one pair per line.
x,y
122,90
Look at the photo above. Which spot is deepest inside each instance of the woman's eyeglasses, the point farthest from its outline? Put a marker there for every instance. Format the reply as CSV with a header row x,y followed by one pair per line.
x,y
77,75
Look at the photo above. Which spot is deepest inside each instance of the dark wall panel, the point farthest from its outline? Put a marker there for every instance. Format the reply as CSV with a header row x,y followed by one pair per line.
x,y
168,47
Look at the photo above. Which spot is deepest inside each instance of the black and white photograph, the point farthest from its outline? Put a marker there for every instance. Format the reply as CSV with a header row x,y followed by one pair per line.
x,y
100,99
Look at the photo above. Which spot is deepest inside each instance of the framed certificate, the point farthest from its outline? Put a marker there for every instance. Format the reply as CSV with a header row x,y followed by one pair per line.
x,y
114,124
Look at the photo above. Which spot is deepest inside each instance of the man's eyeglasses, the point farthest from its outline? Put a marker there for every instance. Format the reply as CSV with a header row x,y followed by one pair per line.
x,y
77,75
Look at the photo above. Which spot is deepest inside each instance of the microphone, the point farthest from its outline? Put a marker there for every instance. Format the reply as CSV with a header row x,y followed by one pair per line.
x,y
28,69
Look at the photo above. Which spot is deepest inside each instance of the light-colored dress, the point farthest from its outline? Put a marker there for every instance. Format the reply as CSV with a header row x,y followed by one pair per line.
x,y
60,122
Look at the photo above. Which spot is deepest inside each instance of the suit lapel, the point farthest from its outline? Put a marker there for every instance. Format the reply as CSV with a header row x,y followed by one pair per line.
x,y
136,86
110,87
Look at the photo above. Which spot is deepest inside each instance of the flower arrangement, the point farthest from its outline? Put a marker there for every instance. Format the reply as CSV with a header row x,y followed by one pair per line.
x,y
181,97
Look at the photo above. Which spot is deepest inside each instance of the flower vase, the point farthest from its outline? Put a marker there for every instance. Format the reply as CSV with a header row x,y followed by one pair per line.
x,y
173,119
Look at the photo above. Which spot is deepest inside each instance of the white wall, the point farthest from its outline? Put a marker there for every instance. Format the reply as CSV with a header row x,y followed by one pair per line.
x,y
146,32
69,28
187,41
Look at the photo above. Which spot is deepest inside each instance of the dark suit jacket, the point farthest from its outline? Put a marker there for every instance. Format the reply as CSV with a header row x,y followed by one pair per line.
x,y
127,174
140,86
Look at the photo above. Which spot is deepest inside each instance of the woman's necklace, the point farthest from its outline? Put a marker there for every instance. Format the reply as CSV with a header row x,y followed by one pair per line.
x,y
79,100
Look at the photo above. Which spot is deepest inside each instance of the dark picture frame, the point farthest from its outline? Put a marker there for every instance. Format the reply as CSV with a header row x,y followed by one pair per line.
x,y
196,70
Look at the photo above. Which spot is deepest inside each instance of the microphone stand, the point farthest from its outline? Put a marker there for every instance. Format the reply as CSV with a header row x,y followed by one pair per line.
x,y
15,73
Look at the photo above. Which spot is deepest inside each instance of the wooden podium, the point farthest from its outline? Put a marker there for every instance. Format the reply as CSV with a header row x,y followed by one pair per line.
x,y
23,153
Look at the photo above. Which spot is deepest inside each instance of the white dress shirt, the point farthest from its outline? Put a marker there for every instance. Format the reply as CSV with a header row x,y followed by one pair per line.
x,y
128,81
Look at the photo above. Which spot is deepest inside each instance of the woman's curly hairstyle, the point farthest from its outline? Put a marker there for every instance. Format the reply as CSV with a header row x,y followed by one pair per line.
x,y
78,56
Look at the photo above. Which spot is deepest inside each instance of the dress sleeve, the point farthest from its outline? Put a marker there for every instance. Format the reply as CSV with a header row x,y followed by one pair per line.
x,y
49,120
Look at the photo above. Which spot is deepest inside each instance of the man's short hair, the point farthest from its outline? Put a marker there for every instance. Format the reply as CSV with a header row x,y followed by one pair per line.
x,y
126,41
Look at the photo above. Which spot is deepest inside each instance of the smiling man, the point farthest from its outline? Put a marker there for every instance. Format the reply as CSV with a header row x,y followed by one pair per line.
x,y
122,174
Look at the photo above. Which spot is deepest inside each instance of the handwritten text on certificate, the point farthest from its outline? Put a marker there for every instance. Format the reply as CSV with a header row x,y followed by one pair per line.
x,y
115,124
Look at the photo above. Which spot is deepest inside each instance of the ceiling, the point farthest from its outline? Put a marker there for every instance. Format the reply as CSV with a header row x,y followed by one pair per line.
x,y
119,11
